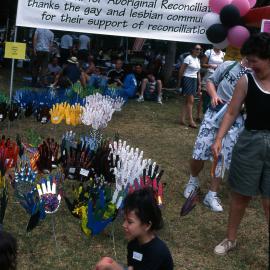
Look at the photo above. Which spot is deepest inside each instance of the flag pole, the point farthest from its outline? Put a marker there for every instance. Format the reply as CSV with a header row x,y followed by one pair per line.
x,y
126,57
12,76
12,68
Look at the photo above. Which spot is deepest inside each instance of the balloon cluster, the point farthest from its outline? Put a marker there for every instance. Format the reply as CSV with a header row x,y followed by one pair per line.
x,y
225,25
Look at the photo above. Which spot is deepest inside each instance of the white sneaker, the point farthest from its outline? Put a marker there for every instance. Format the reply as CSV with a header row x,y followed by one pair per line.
x,y
225,246
213,202
190,187
140,99
159,100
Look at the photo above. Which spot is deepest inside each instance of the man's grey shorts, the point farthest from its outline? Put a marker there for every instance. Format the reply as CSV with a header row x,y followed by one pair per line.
x,y
250,165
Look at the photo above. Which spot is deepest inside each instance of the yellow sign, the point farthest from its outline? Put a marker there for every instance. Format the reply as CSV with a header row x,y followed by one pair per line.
x,y
232,53
15,50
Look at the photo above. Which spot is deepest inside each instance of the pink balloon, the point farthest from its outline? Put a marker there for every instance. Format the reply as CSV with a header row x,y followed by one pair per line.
x,y
242,5
237,35
252,3
217,5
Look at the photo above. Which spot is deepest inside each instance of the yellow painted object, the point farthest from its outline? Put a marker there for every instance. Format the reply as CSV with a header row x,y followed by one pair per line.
x,y
82,213
64,111
58,113
110,211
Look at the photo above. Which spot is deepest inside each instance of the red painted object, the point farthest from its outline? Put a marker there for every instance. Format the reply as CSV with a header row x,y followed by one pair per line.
x,y
256,15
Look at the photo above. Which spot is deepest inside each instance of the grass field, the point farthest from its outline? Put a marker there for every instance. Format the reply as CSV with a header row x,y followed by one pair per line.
x,y
155,130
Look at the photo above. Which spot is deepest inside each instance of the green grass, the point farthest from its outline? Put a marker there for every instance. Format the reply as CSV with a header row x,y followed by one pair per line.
x,y
191,239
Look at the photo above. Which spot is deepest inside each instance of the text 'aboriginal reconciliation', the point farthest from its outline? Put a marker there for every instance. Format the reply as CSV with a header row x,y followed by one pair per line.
x,y
157,15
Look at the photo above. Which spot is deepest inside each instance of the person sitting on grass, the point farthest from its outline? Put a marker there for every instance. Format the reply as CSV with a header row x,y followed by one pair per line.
x,y
151,89
142,218
95,79
116,75
69,75
139,74
129,87
53,69
8,251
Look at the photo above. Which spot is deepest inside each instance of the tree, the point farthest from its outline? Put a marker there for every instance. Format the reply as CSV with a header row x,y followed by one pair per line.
x,y
170,60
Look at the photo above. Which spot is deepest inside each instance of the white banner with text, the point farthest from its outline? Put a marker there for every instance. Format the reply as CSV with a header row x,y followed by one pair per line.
x,y
178,20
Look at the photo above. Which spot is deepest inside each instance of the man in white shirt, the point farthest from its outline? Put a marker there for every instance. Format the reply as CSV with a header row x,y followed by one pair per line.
x,y
84,48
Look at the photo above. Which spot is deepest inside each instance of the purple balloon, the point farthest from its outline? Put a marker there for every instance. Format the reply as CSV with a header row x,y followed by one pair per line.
x,y
217,5
242,5
237,35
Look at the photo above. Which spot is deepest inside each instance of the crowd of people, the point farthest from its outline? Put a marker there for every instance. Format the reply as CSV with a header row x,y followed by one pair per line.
x,y
76,63
234,134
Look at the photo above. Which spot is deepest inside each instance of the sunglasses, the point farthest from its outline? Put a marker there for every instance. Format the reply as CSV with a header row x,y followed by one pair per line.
x,y
197,49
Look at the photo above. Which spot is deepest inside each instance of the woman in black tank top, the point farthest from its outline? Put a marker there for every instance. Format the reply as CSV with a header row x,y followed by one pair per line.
x,y
250,166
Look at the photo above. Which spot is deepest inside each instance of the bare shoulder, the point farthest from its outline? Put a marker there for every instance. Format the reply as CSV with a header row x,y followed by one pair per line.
x,y
242,84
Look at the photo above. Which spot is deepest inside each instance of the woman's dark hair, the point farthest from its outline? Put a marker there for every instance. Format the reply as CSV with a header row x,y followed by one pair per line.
x,y
8,251
258,45
144,204
194,46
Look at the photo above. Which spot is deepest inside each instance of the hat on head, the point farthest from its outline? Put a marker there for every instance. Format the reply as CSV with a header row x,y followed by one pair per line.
x,y
73,60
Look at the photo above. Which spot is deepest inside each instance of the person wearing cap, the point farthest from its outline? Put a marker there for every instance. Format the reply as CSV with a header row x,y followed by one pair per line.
x,y
70,74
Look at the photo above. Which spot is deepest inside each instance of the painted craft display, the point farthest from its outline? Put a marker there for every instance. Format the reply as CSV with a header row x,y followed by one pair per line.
x,y
48,155
49,195
98,110
60,105
24,185
71,114
92,204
